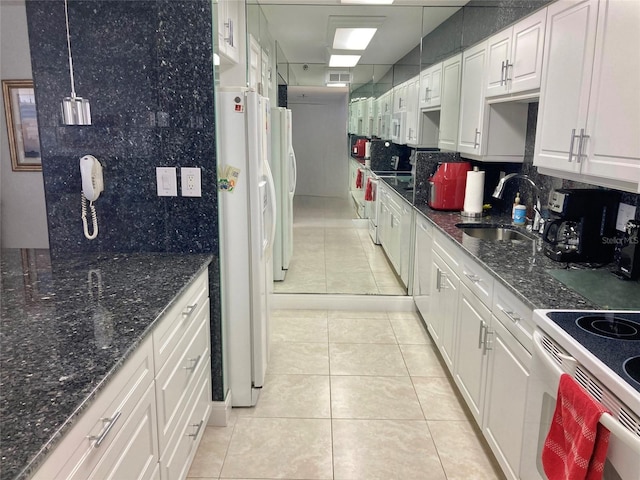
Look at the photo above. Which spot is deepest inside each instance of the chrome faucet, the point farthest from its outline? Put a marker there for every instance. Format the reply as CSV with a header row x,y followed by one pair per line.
x,y
538,220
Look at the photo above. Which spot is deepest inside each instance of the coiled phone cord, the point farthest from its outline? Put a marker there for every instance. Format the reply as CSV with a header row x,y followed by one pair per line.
x,y
93,217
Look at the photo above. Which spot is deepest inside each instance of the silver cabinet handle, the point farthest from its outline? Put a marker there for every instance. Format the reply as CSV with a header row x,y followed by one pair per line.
x,y
109,423
502,73
510,314
189,310
194,363
487,342
229,39
480,334
580,144
476,142
198,427
507,66
573,137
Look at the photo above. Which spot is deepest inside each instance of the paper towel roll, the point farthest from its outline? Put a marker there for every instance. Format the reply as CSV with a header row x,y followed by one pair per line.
x,y
474,191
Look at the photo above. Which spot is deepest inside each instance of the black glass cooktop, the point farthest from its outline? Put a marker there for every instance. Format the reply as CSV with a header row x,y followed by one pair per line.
x,y
613,337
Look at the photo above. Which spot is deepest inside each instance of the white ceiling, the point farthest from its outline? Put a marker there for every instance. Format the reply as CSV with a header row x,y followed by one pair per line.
x,y
301,29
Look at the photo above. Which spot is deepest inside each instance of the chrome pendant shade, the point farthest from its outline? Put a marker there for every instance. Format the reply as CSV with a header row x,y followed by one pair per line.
x,y
75,110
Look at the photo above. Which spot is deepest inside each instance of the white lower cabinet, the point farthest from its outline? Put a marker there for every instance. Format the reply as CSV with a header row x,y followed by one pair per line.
x,y
506,390
472,346
484,333
394,230
152,413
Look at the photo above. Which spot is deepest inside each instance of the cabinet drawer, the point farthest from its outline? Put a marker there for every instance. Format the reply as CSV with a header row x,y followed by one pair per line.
x,y
134,451
178,318
514,315
177,458
79,452
447,250
479,281
176,381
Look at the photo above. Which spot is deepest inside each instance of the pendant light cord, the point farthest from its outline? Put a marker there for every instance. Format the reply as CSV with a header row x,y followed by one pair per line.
x,y
66,15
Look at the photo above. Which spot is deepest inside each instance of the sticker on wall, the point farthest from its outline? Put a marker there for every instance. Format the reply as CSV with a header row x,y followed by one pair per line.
x,y
228,178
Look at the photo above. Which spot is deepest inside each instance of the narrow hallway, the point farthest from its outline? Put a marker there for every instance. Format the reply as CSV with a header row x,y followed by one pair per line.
x,y
349,395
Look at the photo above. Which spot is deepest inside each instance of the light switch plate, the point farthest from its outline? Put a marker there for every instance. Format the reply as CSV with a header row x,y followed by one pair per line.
x,y
191,183
626,212
167,181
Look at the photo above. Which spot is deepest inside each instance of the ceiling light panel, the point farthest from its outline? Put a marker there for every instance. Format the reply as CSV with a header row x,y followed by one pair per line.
x,y
353,38
344,60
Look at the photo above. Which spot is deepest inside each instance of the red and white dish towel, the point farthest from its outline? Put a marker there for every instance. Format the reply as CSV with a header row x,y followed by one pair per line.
x,y
368,192
359,179
576,445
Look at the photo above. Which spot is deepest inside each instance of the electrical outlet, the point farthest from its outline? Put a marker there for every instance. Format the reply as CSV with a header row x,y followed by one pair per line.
x,y
191,182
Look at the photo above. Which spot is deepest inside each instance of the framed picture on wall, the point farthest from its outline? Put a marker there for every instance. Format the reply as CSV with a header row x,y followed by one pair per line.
x,y
22,125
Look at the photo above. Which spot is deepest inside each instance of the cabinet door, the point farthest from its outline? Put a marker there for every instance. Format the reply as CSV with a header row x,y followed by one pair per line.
x,y
254,63
472,100
450,103
411,129
566,80
435,90
498,54
425,86
613,143
228,25
470,366
134,453
449,288
422,265
524,66
507,379
405,242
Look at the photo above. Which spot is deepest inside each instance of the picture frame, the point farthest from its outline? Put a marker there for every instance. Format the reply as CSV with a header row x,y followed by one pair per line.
x,y
22,125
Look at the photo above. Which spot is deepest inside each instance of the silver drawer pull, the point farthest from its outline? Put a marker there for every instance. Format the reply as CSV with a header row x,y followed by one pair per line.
x,y
194,363
198,427
481,336
472,277
511,315
189,310
110,422
488,345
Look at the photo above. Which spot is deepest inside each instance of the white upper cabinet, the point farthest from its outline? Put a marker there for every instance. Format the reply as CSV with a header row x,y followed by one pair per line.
x,y
430,87
514,62
450,103
472,99
411,130
589,115
228,29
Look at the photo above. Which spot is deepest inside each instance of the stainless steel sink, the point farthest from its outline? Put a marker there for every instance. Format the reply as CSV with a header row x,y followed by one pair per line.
x,y
499,233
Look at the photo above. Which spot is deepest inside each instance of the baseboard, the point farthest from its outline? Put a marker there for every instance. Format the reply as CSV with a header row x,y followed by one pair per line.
x,y
220,412
384,303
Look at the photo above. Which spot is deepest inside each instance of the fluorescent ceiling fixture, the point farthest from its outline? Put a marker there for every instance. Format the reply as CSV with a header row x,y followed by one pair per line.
x,y
336,84
368,2
353,38
344,60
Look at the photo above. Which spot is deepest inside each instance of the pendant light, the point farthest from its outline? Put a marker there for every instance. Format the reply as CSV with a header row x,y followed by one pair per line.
x,y
75,110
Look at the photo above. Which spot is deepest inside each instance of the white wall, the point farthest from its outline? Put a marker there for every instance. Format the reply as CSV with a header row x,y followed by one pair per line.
x,y
320,140
23,221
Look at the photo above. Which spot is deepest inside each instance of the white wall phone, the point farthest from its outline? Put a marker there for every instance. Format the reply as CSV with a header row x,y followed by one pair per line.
x,y
92,185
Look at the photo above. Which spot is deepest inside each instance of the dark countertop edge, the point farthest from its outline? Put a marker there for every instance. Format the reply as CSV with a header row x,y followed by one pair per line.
x,y
40,458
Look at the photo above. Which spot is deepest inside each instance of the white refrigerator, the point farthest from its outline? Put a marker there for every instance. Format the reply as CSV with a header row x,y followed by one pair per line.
x,y
283,163
247,231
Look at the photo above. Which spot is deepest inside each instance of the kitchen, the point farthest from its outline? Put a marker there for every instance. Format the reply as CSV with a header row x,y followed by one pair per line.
x,y
141,223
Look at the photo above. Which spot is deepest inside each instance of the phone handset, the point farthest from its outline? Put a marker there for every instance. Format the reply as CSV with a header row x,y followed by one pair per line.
x,y
92,185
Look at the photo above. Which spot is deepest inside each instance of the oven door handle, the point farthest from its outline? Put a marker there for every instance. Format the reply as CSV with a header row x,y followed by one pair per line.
x,y
606,419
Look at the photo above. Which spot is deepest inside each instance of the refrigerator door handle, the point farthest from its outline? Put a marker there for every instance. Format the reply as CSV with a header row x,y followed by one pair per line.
x,y
272,203
294,169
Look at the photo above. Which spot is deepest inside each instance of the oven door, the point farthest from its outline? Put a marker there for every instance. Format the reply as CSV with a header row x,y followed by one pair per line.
x,y
549,362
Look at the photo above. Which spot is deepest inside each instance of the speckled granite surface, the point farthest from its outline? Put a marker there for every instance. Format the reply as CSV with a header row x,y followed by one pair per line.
x,y
63,336
519,267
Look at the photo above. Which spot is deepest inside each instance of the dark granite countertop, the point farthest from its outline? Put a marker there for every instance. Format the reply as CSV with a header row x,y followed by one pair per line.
x,y
521,267
401,182
66,328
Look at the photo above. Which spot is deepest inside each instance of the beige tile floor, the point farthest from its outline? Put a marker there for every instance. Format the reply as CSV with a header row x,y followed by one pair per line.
x,y
349,395
333,254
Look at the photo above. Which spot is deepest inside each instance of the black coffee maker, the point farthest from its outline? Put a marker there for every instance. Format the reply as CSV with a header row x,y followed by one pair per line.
x,y
629,260
583,225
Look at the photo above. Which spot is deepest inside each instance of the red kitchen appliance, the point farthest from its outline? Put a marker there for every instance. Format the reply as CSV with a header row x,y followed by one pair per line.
x,y
359,148
447,186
